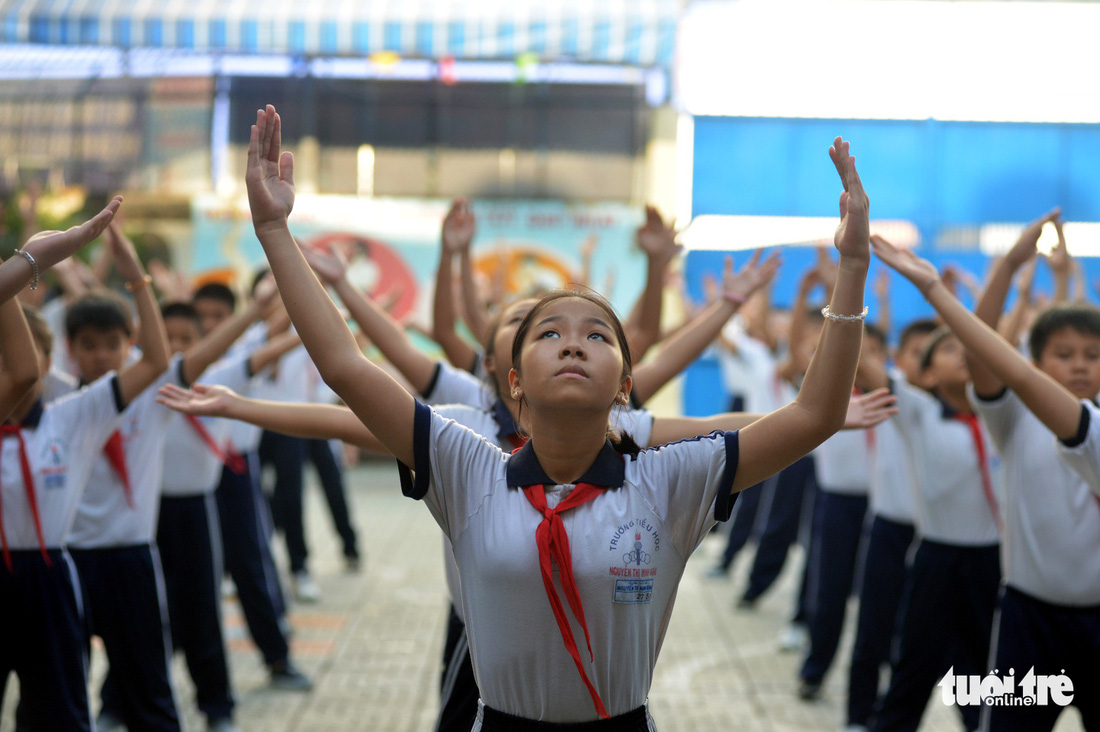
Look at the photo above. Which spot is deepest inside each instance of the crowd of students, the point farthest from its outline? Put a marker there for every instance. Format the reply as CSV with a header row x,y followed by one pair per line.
x,y
950,485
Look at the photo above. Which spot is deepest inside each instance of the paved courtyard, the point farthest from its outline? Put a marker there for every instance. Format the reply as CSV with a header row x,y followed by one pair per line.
x,y
372,643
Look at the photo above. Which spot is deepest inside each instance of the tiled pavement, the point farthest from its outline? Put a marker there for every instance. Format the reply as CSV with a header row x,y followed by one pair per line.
x,y
372,644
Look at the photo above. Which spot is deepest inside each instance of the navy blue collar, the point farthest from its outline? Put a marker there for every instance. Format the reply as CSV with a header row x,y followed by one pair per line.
x,y
506,423
33,417
608,471
946,410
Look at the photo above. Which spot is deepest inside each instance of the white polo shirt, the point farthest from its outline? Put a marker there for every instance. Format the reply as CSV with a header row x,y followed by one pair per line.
x,y
749,372
191,468
496,426
63,440
455,386
104,518
950,502
891,474
57,384
842,463
629,547
245,436
1051,543
1084,454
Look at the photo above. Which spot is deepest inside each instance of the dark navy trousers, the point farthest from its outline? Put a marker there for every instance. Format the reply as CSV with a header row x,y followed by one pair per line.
x,y
42,615
246,537
834,551
190,547
790,492
127,609
879,597
945,620
458,692
1052,639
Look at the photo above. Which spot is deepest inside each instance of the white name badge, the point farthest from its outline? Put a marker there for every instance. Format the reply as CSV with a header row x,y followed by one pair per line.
x,y
633,591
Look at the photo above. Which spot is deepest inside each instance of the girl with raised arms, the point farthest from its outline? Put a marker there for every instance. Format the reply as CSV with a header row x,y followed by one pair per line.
x,y
505,515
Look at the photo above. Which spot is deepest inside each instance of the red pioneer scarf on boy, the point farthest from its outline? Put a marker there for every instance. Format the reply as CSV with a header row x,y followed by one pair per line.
x,y
116,456
32,500
971,421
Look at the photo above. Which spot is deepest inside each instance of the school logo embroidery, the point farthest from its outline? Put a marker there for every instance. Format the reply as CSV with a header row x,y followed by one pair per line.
x,y
634,578
1003,691
54,467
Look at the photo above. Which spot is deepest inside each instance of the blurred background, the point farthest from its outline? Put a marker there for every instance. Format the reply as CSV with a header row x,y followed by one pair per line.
x,y
559,120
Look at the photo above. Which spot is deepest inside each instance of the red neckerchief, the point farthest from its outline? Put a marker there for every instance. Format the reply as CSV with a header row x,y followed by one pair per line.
x,y
971,420
553,541
517,441
116,456
28,487
229,457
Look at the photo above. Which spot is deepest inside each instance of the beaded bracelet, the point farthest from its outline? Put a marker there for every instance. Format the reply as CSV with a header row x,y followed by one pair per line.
x,y
830,315
34,268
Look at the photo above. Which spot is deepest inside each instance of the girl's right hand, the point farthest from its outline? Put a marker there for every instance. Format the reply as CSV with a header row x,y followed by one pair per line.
x,y
270,174
852,235
920,272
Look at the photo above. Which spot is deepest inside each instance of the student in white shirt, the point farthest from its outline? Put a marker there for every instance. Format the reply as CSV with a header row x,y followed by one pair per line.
x,y
946,611
1039,413
888,541
568,369
47,453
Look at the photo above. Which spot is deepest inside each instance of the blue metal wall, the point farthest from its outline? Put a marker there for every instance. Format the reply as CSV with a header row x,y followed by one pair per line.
x,y
933,174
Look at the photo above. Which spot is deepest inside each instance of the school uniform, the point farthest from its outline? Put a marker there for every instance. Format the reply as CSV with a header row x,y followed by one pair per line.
x,y
840,508
112,544
458,688
44,465
189,537
946,611
1049,614
629,546
883,570
294,383
1082,453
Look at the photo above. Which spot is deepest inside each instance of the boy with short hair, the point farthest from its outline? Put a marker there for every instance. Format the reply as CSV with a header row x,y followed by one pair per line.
x,y
46,464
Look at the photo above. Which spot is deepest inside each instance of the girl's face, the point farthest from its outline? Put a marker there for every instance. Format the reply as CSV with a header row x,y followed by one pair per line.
x,y
948,367
571,358
510,319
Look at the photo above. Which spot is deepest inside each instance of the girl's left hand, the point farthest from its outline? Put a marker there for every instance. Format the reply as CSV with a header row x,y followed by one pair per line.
x,y
853,234
270,175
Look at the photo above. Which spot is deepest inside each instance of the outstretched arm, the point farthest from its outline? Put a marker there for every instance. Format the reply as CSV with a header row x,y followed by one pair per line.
x,y
1048,400
777,440
375,323
377,400
311,421
47,248
992,301
21,367
214,345
864,411
643,326
152,337
458,232
694,338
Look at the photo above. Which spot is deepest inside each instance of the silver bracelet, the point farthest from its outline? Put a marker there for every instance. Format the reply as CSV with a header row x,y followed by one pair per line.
x,y
830,315
34,268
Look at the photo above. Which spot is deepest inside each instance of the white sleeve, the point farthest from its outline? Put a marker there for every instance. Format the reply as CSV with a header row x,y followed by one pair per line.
x,y
92,413
454,386
1082,453
688,485
232,371
455,469
912,402
638,423
1000,414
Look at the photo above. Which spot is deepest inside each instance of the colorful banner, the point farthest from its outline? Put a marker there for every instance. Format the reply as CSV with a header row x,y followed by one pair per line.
x,y
393,244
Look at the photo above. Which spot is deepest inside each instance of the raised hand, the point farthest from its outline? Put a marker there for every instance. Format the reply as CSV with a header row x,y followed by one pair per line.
x,y
853,233
200,400
740,285
920,272
50,247
124,254
171,284
1059,260
459,227
266,293
882,284
1024,248
656,238
270,174
332,268
867,410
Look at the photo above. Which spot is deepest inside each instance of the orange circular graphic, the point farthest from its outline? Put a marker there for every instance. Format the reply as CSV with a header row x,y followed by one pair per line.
x,y
375,268
522,270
